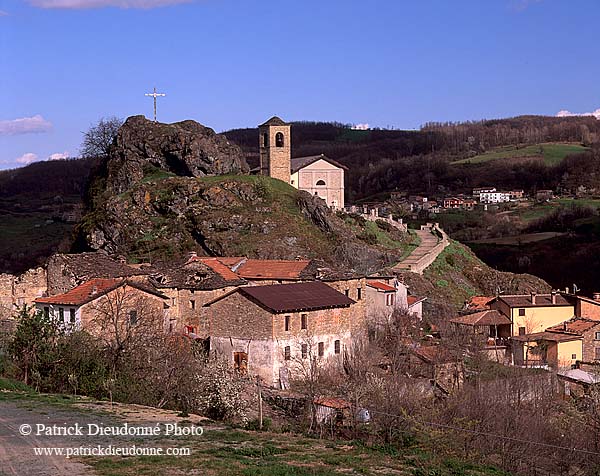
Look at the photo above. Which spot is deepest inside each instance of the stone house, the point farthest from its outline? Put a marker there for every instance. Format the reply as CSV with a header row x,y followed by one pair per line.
x,y
274,330
443,368
66,271
188,287
101,306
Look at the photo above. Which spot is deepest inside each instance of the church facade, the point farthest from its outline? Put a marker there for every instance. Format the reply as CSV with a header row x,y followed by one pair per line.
x,y
317,175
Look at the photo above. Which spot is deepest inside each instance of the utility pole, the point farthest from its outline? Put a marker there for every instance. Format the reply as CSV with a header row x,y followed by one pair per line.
x,y
154,95
260,408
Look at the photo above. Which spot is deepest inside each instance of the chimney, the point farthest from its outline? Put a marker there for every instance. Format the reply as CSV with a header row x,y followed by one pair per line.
x,y
533,296
565,326
567,290
94,290
553,296
192,255
596,297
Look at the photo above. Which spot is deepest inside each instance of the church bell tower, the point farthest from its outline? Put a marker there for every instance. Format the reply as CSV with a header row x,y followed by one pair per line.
x,y
275,149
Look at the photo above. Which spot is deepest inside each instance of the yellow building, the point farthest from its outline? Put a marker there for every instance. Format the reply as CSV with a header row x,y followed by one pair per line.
x,y
534,312
553,349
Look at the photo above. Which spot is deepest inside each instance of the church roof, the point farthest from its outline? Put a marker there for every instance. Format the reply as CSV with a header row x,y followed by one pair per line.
x,y
301,162
274,121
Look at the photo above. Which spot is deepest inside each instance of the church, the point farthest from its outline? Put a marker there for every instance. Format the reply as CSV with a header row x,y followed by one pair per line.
x,y
317,174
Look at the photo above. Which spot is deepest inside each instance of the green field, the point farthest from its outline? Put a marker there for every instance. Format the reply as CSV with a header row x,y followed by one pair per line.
x,y
552,153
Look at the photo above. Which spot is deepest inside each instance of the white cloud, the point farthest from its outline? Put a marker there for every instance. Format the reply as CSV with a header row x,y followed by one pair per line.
x,y
27,158
565,113
59,156
81,4
361,127
25,125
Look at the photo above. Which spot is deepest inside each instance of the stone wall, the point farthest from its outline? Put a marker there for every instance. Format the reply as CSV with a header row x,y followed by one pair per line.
x,y
590,344
15,291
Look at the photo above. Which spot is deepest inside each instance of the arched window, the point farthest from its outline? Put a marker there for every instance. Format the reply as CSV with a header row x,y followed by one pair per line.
x,y
279,139
265,140
321,182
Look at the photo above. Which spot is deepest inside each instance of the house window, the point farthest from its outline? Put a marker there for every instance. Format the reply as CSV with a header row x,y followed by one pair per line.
x,y
265,140
133,317
61,314
389,299
574,356
303,321
321,349
278,139
359,293
287,323
46,312
336,346
72,315
597,336
522,331
320,183
521,312
597,353
240,362
305,350
287,353
347,292
192,304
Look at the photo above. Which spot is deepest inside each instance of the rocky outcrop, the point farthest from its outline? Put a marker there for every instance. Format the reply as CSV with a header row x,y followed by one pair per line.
x,y
184,148
252,216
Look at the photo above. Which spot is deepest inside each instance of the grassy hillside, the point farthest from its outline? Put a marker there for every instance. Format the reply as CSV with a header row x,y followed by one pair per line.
x,y
551,153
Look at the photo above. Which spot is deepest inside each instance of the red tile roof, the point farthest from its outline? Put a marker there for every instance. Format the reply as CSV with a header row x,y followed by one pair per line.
x,y
574,326
380,286
483,318
91,290
332,402
217,265
83,293
412,300
271,269
479,303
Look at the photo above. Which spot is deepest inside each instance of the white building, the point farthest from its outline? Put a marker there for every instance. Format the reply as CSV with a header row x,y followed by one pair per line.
x,y
494,197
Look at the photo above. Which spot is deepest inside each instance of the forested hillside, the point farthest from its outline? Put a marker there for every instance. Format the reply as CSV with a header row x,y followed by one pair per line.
x,y
425,161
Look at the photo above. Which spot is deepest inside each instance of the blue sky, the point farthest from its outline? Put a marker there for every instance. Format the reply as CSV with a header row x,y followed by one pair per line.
x,y
233,63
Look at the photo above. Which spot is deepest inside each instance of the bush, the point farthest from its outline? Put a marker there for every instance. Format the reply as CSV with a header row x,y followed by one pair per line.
x,y
253,424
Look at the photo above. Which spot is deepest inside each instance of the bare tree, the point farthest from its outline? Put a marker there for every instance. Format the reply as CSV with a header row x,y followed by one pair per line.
x,y
99,137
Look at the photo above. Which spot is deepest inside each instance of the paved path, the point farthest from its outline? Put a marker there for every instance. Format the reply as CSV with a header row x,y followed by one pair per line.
x,y
428,242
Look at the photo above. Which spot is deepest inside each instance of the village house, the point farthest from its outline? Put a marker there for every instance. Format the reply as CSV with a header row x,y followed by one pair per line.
x,y
190,285
317,175
66,271
494,197
544,195
100,306
442,367
273,330
560,346
534,312
387,294
453,203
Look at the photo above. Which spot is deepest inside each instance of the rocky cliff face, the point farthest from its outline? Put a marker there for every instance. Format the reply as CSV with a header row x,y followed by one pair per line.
x,y
184,148
252,216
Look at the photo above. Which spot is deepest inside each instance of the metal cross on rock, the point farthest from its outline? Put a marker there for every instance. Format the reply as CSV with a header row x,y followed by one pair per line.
x,y
154,95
